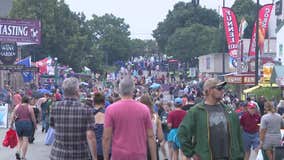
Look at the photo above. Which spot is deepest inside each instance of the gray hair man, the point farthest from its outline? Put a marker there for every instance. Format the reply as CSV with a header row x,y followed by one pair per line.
x,y
133,127
71,88
126,87
74,126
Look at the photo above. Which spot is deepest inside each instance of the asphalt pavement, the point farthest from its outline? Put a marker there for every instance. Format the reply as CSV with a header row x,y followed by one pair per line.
x,y
39,151
36,151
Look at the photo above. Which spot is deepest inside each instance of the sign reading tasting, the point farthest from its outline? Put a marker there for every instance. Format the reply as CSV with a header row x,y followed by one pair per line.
x,y
20,31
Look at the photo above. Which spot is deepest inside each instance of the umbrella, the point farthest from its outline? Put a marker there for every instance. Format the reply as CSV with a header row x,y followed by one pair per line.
x,y
43,91
36,94
155,86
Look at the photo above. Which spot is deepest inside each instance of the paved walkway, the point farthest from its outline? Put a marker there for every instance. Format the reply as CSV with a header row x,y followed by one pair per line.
x,y
36,151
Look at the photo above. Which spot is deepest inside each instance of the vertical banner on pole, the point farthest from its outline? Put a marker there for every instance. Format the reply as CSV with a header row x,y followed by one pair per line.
x,y
264,16
231,30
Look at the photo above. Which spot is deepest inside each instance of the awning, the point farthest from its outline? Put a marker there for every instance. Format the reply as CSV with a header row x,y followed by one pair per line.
x,y
251,89
268,85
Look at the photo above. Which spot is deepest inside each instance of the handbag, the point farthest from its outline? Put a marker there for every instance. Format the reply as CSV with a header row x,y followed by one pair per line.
x,y
49,137
10,139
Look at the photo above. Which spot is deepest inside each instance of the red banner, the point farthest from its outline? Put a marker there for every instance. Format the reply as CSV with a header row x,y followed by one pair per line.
x,y
264,16
231,30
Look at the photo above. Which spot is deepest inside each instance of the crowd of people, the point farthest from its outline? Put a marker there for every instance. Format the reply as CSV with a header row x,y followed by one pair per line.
x,y
129,119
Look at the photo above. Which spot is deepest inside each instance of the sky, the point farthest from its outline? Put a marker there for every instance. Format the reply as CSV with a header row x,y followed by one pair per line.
x,y
141,15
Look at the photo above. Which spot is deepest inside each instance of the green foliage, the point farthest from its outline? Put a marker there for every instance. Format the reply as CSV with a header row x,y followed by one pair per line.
x,y
193,41
63,35
268,92
143,47
110,37
70,37
246,9
188,30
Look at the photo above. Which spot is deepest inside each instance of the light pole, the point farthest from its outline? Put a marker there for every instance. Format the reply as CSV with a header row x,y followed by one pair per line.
x,y
256,43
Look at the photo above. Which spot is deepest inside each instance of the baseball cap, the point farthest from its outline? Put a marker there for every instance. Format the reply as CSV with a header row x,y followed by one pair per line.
x,y
251,106
178,101
212,83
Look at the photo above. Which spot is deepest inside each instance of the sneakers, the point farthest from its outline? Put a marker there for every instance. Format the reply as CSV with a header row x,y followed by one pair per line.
x,y
18,156
31,140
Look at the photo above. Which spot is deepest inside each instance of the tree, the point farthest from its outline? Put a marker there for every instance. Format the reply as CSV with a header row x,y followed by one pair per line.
x,y
182,20
137,47
189,42
63,33
77,42
110,37
246,9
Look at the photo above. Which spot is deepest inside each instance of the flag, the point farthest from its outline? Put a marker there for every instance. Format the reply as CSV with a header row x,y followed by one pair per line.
x,y
42,65
45,66
243,26
264,16
27,76
50,66
231,30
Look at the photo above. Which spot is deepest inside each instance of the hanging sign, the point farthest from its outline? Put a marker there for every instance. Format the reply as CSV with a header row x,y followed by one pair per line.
x,y
8,52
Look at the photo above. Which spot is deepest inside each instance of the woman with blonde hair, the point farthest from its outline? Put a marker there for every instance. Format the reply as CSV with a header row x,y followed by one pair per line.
x,y
270,125
156,122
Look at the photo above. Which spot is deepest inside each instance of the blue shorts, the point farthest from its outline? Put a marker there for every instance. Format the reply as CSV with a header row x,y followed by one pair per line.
x,y
172,137
24,128
250,140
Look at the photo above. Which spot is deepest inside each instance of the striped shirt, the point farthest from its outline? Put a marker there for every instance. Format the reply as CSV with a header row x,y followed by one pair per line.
x,y
71,119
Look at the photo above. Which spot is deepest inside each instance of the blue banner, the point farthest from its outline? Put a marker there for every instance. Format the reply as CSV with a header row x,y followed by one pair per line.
x,y
27,76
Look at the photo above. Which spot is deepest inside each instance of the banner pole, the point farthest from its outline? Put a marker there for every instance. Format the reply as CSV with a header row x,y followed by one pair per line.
x,y
256,44
223,55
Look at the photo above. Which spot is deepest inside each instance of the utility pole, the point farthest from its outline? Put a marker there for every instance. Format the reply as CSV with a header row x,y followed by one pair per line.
x,y
256,44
